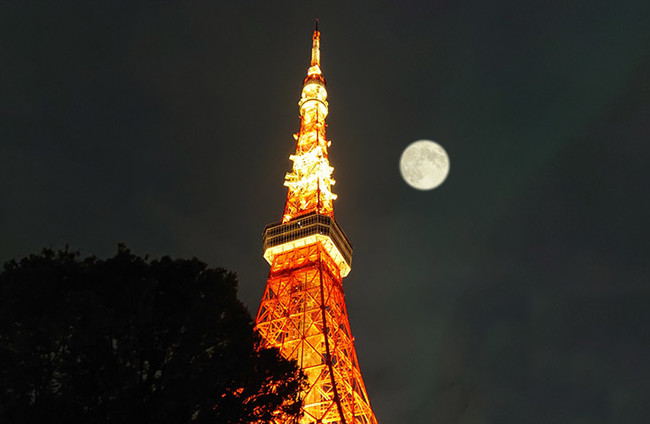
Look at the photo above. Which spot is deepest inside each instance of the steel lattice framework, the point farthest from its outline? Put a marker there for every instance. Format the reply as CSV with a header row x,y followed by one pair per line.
x,y
303,310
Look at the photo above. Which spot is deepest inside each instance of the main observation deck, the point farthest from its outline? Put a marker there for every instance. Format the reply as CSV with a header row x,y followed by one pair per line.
x,y
305,230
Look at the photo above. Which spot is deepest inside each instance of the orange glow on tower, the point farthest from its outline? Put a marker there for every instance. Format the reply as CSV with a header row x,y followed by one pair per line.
x,y
303,310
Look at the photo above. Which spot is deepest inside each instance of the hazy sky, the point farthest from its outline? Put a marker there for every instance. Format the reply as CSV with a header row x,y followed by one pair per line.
x,y
516,292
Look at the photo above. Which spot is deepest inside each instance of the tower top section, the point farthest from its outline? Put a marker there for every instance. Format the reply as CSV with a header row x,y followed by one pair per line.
x,y
309,211
309,182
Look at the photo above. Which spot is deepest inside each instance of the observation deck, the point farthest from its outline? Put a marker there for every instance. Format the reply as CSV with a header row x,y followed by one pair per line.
x,y
305,230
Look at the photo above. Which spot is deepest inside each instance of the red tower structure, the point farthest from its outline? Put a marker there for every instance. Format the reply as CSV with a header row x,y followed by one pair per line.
x,y
303,310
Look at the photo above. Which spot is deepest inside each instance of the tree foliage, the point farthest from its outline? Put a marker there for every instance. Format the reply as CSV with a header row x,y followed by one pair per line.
x,y
128,339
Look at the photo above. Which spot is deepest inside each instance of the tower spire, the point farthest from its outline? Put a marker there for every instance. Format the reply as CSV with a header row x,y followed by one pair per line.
x,y
303,311
315,49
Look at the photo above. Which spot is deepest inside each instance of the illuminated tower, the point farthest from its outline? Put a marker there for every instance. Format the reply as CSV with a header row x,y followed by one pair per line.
x,y
303,309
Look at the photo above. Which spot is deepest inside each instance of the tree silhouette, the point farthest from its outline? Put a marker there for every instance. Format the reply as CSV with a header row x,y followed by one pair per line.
x,y
128,339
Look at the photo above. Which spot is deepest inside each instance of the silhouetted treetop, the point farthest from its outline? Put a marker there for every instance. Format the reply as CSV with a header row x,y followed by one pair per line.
x,y
127,339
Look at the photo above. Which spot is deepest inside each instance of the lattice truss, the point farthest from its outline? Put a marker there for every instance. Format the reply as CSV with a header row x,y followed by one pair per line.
x,y
303,314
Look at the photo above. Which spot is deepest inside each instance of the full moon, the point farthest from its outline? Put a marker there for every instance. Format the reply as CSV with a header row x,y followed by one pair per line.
x,y
424,164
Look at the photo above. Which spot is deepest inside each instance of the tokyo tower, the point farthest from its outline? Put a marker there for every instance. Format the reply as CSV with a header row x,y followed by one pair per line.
x,y
303,310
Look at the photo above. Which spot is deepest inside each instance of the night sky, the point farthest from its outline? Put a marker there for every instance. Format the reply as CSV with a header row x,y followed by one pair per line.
x,y
516,292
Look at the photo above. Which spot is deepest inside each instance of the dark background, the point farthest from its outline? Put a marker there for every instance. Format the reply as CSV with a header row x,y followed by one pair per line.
x,y
516,292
